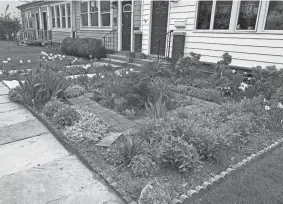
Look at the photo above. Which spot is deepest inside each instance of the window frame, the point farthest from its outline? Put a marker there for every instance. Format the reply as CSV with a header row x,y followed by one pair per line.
x,y
53,6
265,19
61,16
28,19
99,27
90,12
233,19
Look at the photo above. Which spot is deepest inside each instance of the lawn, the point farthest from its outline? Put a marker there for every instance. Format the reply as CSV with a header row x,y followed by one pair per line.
x,y
260,183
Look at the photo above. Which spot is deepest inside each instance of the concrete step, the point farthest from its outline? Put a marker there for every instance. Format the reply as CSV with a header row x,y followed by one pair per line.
x,y
115,62
117,57
143,61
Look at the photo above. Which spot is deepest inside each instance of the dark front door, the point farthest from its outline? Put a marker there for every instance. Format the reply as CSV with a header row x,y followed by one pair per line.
x,y
159,26
37,21
126,25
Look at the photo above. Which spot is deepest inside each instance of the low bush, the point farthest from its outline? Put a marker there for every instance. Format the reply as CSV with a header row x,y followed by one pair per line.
x,y
83,47
53,107
205,94
90,127
143,166
9,26
74,91
66,116
188,66
16,96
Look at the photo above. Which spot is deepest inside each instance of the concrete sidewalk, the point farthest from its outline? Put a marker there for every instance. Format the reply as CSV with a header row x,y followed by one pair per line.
x,y
36,169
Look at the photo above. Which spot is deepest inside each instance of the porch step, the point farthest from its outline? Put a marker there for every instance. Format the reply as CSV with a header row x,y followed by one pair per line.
x,y
115,62
121,53
143,61
117,57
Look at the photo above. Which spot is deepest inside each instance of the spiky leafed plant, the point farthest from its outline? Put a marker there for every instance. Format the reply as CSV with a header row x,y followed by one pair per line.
x,y
157,110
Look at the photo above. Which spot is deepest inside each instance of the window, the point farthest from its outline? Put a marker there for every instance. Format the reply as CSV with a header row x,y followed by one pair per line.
x,y
93,13
220,14
248,14
105,13
96,13
28,20
274,17
69,15
63,15
53,17
58,16
84,13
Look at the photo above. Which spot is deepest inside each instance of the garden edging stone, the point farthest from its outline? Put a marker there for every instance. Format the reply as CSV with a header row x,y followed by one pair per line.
x,y
207,185
58,135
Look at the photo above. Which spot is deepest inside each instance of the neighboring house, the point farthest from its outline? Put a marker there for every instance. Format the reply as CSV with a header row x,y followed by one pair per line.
x,y
251,31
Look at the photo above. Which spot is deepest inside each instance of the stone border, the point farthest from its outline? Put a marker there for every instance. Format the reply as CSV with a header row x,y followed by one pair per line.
x,y
207,185
88,163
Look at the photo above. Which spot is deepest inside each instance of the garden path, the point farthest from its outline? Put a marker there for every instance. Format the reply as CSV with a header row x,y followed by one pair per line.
x,y
36,168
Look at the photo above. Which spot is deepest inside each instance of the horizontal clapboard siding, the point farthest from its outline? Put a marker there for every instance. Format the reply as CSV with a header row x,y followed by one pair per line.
x,y
247,49
59,36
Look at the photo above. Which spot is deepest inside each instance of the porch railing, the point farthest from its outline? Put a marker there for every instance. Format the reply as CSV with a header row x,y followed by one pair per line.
x,y
30,35
109,40
164,52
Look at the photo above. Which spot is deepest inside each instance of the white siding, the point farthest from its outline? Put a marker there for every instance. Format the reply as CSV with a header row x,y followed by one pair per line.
x,y
247,49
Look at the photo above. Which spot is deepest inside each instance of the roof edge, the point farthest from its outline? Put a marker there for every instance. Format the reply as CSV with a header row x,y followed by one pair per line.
x,y
28,3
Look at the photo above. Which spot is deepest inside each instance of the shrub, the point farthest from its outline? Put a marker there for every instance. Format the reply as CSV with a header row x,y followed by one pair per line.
x,y
53,107
15,95
90,127
175,153
125,150
66,116
156,69
206,94
74,91
83,47
278,95
9,26
143,166
188,66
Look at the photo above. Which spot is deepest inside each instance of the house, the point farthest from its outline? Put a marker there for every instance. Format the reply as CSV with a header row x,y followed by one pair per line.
x,y
250,30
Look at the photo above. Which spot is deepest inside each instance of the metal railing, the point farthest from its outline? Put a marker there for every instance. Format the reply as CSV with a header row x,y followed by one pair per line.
x,y
164,53
109,40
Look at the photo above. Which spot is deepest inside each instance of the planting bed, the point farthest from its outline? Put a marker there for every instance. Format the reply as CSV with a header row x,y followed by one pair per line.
x,y
170,128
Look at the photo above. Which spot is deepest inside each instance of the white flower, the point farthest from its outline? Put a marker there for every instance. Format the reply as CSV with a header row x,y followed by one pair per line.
x,y
264,100
131,70
60,58
76,59
229,88
127,72
90,56
28,61
9,59
5,62
280,105
249,78
233,71
21,61
102,76
50,54
63,56
43,57
266,107
245,72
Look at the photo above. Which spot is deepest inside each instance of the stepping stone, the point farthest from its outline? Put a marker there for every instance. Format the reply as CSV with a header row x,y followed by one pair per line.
x,y
28,153
65,180
4,99
21,131
11,84
4,90
108,140
14,117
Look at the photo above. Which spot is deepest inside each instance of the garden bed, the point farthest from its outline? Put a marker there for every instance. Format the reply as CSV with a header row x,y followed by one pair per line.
x,y
182,141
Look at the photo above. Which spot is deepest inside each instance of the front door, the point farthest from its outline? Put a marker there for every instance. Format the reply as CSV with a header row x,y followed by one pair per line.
x,y
159,26
126,25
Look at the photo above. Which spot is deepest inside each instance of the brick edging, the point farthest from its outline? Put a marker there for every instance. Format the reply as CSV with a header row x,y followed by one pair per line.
x,y
207,185
58,135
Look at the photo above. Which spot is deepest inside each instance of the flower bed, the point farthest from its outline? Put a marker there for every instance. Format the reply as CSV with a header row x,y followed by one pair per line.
x,y
176,149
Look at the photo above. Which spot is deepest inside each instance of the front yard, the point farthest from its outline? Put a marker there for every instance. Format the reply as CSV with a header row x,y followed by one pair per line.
x,y
180,126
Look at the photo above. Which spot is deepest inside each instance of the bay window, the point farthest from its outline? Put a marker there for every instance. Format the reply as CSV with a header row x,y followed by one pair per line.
x,y
248,15
95,14
61,16
274,17
53,20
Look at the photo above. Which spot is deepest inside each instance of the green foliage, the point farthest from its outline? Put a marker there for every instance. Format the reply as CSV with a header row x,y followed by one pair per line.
x,y
39,88
188,66
52,107
9,27
156,69
205,94
143,166
74,91
175,153
83,47
278,95
90,127
66,116
157,110
125,150
15,95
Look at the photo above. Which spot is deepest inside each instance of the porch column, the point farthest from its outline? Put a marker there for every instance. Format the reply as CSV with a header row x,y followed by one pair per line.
x,y
178,46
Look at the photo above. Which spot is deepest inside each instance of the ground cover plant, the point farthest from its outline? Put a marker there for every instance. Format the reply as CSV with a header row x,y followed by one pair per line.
x,y
177,152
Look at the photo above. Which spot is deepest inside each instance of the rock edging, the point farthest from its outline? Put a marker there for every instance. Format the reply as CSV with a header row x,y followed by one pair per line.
x,y
58,135
207,185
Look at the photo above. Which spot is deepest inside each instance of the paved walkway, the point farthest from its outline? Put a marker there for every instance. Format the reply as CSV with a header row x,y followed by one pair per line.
x,y
36,169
